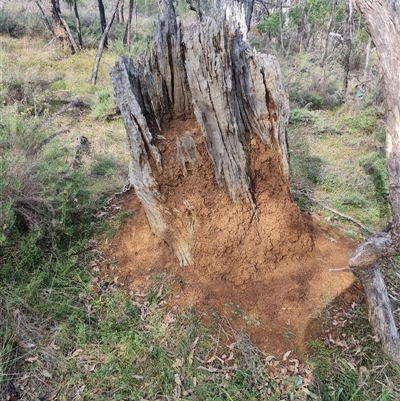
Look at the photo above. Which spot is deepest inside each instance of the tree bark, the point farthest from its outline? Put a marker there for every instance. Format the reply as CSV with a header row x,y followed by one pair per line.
x,y
78,24
120,13
208,73
46,21
328,31
347,46
102,45
383,26
127,34
103,22
248,7
61,28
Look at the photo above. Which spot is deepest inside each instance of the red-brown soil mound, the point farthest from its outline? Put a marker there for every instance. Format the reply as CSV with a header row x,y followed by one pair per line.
x,y
266,272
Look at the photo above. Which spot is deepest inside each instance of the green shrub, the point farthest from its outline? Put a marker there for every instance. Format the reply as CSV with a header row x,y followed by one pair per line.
x,y
40,193
18,22
60,84
106,165
104,107
301,116
269,26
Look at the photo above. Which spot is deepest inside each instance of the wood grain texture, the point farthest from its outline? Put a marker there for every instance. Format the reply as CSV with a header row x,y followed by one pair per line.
x,y
211,73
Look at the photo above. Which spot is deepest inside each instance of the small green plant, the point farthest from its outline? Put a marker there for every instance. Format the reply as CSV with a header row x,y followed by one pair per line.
x,y
105,165
105,107
269,26
60,84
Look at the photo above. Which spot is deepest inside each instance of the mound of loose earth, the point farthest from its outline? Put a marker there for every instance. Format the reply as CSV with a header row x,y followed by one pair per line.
x,y
265,272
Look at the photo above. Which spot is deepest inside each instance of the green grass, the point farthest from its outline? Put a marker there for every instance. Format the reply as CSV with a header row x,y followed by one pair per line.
x,y
337,157
68,330
349,363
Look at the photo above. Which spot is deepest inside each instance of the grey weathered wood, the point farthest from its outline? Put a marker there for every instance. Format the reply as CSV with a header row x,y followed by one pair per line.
x,y
186,152
235,91
383,26
210,73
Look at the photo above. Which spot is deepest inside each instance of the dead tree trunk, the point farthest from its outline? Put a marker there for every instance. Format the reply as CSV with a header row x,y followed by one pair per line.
x,y
211,75
232,91
383,26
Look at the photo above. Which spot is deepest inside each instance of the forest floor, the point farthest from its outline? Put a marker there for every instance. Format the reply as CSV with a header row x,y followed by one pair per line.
x,y
106,312
268,275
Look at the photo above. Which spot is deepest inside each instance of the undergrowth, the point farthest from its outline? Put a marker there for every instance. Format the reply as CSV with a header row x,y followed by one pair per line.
x,y
348,360
67,332
338,158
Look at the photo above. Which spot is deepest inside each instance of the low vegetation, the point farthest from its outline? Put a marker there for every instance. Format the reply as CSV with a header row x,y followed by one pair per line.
x,y
67,332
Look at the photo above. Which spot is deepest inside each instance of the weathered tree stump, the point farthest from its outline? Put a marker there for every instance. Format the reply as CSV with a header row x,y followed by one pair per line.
x,y
209,74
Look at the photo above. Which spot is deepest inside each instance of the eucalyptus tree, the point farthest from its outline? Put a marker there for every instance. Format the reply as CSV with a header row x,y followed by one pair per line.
x,y
384,27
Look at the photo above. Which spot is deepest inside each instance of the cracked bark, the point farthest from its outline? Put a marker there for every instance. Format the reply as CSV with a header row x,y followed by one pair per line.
x,y
207,72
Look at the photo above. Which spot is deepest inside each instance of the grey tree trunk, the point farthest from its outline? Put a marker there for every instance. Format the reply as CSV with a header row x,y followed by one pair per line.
x,y
208,73
328,31
103,21
383,25
347,46
78,24
120,13
127,34
61,29
102,45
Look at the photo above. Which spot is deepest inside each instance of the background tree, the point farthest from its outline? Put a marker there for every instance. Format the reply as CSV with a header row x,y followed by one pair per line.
x,y
103,21
61,28
103,40
127,34
120,13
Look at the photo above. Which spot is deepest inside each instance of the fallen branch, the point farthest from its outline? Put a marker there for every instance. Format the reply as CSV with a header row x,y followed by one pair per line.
x,y
66,107
45,141
342,269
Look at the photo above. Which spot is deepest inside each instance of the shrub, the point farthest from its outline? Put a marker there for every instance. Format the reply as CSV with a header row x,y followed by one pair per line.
x,y
40,193
104,107
269,26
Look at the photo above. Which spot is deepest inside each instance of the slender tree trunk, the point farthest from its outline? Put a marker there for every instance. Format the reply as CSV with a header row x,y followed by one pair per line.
x,y
120,12
103,22
347,46
46,21
383,26
328,31
93,78
78,24
367,52
127,35
281,26
61,28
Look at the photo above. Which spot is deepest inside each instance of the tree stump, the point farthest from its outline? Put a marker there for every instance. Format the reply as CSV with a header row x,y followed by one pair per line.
x,y
206,117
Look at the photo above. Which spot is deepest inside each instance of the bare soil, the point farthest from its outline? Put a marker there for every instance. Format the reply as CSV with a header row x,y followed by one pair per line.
x,y
266,273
